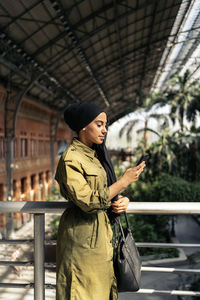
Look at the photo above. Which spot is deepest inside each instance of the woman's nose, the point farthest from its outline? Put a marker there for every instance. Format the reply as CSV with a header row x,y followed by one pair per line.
x,y
104,130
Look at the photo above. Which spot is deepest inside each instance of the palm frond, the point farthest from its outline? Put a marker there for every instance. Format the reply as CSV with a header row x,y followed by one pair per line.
x,y
149,129
127,125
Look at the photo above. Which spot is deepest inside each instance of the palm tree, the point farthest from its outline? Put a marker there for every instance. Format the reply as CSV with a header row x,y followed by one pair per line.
x,y
129,126
183,96
194,107
162,151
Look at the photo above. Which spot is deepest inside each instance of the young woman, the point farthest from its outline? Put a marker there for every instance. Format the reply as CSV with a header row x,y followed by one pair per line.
x,y
86,179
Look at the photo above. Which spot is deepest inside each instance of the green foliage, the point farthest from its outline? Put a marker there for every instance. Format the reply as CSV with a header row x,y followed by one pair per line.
x,y
151,229
54,228
55,193
176,153
172,189
157,228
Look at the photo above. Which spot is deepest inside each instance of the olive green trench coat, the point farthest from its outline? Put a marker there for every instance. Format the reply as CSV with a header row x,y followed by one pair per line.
x,y
84,246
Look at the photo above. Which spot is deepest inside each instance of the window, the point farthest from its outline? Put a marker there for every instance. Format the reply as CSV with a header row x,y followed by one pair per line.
x,y
47,176
14,189
33,179
40,147
23,185
1,192
15,148
40,179
1,147
47,147
23,147
33,148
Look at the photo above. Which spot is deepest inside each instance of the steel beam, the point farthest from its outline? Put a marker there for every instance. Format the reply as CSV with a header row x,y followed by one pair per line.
x,y
121,61
54,121
39,276
12,105
35,68
76,43
75,27
147,50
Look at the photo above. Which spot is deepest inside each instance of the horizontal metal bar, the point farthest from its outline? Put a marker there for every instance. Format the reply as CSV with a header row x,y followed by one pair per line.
x,y
14,242
28,241
16,263
166,245
16,285
141,291
140,245
151,269
150,291
134,207
25,285
164,208
169,270
172,293
25,263
37,207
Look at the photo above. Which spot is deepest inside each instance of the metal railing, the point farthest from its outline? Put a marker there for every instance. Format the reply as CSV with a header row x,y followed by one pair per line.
x,y
39,209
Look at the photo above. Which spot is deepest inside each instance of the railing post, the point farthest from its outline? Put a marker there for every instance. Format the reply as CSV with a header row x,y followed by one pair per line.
x,y
39,275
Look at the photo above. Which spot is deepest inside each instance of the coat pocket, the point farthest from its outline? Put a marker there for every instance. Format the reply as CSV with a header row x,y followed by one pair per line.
x,y
94,235
91,175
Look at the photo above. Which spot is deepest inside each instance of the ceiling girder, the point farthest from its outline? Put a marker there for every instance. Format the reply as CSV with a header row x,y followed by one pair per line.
x,y
20,15
147,50
31,67
115,59
58,8
65,52
92,32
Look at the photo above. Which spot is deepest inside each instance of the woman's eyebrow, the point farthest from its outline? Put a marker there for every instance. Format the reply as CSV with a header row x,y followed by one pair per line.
x,y
102,122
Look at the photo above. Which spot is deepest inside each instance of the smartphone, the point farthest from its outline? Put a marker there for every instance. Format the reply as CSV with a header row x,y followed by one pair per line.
x,y
144,157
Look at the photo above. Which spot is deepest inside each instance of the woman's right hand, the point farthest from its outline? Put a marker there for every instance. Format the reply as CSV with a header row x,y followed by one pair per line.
x,y
132,174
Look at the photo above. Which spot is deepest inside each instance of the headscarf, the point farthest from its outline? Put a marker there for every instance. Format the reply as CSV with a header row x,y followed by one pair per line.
x,y
79,115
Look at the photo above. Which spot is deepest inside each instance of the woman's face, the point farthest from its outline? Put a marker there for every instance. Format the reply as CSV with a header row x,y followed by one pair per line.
x,y
94,132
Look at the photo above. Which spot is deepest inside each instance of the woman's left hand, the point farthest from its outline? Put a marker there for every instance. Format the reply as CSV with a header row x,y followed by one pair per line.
x,y
120,205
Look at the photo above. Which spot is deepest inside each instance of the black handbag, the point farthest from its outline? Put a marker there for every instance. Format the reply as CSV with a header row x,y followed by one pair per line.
x,y
127,262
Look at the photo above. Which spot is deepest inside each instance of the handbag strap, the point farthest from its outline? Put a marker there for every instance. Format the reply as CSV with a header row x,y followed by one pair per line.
x,y
118,222
127,222
127,225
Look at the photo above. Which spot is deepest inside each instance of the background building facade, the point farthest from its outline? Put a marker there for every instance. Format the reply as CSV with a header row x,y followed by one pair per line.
x,y
32,159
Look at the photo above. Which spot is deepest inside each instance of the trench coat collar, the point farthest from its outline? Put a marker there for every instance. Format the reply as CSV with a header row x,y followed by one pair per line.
x,y
83,148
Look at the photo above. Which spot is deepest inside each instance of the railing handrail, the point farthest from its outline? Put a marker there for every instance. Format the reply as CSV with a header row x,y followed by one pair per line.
x,y
42,207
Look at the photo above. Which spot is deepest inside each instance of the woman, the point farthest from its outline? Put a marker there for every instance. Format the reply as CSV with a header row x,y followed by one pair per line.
x,y
84,246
